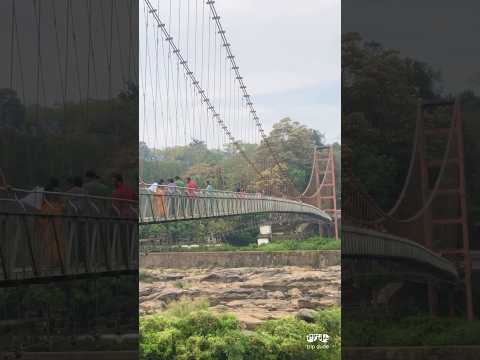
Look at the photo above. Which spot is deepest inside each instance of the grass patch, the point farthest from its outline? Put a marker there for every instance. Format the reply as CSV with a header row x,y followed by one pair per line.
x,y
184,307
188,330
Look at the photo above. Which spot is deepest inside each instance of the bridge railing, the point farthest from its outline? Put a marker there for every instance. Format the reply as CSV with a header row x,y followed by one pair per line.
x,y
173,204
50,234
358,242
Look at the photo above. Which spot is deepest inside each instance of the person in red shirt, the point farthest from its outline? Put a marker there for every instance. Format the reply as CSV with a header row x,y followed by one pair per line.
x,y
191,187
191,192
122,192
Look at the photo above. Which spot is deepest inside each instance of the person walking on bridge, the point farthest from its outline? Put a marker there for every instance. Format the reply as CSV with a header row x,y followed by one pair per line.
x,y
94,186
159,200
209,187
210,196
123,196
181,199
171,199
49,229
180,183
153,187
192,189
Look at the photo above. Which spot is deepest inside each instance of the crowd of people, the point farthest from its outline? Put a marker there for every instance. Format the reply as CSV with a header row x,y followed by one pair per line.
x,y
69,196
168,205
91,184
55,193
189,186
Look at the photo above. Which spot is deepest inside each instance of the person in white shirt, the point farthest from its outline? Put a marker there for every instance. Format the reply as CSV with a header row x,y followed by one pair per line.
x,y
153,187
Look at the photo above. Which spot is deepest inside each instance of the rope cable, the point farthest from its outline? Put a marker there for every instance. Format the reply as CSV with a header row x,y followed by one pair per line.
x,y
433,193
192,77
249,102
12,42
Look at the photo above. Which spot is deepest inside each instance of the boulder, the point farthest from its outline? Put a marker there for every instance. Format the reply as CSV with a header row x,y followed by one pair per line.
x,y
307,315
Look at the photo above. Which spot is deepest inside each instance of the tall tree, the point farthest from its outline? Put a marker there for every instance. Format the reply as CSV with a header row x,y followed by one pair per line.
x,y
294,145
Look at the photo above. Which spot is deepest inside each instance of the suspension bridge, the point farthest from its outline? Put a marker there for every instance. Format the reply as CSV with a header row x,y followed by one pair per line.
x,y
68,255
68,236
177,204
73,71
424,236
192,92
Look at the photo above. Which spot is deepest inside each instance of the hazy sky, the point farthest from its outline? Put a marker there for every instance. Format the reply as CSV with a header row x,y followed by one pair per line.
x,y
442,33
288,53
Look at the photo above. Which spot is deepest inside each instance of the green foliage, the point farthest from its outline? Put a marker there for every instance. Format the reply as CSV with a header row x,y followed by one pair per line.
x,y
188,230
185,307
63,141
412,331
294,144
330,318
313,243
290,335
226,168
380,91
195,333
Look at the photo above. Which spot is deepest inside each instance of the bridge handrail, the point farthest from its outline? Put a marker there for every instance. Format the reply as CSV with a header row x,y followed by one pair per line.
x,y
185,191
62,193
92,201
392,246
183,203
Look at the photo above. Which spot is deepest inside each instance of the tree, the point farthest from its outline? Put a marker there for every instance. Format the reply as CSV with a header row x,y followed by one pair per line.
x,y
380,91
12,111
294,145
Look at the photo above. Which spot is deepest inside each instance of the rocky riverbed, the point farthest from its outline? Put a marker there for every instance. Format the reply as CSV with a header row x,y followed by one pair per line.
x,y
252,294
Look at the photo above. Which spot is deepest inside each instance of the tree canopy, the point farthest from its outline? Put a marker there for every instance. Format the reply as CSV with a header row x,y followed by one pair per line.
x,y
226,169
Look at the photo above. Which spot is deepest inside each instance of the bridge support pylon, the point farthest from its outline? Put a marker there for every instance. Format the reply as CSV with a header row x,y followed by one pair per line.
x,y
445,232
325,177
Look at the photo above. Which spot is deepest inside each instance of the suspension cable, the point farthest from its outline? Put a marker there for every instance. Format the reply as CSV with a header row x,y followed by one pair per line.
x,y
243,87
200,91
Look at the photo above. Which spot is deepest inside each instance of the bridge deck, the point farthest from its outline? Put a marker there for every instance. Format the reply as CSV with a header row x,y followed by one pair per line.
x,y
184,204
361,242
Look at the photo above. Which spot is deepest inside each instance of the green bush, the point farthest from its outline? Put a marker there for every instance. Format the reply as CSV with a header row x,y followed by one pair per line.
x,y
290,336
331,319
198,334
412,331
313,243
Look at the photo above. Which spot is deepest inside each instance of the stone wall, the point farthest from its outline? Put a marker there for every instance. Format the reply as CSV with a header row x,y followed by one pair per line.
x,y
234,259
412,353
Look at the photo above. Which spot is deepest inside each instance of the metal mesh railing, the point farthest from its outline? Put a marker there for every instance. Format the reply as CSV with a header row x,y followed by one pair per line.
x,y
46,234
362,242
175,204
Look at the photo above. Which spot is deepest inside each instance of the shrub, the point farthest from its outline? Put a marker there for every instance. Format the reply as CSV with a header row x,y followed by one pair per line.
x,y
412,331
192,332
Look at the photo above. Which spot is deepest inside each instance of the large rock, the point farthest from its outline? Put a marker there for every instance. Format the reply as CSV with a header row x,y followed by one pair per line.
x,y
219,277
169,294
307,315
